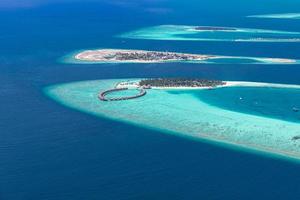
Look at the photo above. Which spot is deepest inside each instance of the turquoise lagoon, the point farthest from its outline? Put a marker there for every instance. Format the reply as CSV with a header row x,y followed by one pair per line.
x,y
278,16
183,32
256,117
218,59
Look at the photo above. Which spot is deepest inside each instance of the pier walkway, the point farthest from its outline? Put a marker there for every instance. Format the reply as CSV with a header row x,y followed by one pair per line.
x,y
102,95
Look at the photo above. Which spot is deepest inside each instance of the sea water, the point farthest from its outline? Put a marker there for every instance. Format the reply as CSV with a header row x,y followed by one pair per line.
x,y
49,151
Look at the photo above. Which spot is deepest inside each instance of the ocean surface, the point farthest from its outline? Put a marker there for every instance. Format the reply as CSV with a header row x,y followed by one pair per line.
x,y
48,151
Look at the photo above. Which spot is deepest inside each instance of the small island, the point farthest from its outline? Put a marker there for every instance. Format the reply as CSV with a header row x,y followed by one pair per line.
x,y
102,56
214,28
208,33
137,56
156,83
180,82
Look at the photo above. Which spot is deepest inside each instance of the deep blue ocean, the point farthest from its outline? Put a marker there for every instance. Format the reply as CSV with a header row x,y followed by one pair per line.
x,y
48,151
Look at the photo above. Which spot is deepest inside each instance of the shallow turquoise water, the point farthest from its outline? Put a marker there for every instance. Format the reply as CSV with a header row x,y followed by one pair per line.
x,y
279,103
180,32
188,114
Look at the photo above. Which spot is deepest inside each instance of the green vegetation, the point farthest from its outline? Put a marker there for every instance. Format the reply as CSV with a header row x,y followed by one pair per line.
x,y
180,82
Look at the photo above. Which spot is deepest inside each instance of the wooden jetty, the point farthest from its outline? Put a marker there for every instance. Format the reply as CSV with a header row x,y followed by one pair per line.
x,y
102,95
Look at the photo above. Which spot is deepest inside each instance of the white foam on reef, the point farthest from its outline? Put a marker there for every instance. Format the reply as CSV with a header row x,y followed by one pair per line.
x,y
190,33
278,16
185,115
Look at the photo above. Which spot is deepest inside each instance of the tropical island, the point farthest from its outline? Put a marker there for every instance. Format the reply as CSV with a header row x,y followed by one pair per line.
x,y
211,33
137,56
156,83
180,82
214,28
143,56
171,83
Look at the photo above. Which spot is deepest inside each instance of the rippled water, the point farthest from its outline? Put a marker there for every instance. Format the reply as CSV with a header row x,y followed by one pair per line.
x,y
49,151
